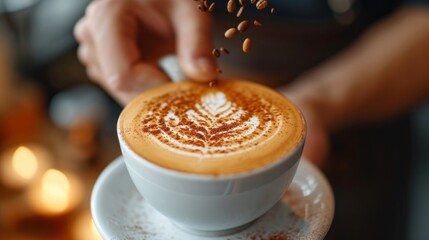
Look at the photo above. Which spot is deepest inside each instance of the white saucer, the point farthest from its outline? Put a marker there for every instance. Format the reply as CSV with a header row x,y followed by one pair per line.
x,y
120,212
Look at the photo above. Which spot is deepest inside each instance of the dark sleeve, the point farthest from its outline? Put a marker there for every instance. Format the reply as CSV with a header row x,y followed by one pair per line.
x,y
417,2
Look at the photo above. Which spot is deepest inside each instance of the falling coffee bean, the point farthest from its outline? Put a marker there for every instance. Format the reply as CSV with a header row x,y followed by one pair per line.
x,y
224,51
213,82
212,6
261,4
216,52
247,45
257,23
243,26
231,6
230,33
202,7
240,11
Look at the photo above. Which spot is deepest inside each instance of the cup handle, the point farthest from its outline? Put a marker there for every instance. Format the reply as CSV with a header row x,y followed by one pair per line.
x,y
170,65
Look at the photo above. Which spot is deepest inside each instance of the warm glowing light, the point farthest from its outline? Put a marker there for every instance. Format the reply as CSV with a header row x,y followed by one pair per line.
x,y
24,162
84,228
20,166
55,190
55,193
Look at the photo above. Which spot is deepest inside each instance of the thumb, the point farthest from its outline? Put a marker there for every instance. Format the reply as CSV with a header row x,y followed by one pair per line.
x,y
194,41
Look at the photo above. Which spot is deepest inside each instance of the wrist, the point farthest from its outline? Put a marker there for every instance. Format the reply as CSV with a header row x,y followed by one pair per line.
x,y
316,101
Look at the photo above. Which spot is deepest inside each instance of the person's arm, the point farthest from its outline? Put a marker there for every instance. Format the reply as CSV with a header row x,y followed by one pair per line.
x,y
383,74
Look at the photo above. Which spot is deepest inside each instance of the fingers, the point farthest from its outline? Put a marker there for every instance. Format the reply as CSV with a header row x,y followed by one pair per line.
x,y
194,41
116,47
111,36
139,78
86,51
109,50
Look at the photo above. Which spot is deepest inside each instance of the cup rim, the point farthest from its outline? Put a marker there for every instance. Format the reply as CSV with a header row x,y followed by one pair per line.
x,y
220,177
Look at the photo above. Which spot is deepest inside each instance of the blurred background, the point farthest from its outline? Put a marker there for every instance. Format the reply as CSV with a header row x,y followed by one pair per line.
x,y
57,130
57,133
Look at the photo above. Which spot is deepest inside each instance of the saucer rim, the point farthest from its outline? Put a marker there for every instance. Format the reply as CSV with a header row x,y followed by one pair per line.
x,y
304,165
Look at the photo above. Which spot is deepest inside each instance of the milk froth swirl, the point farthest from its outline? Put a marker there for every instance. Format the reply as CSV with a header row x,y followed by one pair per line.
x,y
210,124
193,127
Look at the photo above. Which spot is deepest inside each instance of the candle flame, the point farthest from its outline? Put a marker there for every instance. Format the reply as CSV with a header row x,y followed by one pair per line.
x,y
55,190
24,163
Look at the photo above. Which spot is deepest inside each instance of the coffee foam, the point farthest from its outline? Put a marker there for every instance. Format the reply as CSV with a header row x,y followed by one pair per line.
x,y
232,127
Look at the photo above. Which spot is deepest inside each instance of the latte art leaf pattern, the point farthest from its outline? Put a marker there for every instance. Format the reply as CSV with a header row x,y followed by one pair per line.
x,y
215,123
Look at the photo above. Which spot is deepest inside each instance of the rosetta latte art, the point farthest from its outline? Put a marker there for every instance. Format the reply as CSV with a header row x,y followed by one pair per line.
x,y
214,124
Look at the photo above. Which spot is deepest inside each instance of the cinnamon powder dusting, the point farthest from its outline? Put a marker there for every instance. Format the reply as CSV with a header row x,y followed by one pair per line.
x,y
272,236
205,120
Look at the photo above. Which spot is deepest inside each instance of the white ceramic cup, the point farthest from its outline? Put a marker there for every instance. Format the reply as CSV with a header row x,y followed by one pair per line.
x,y
206,203
211,205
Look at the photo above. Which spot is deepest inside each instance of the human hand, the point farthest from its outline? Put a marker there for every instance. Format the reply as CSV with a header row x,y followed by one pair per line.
x,y
122,41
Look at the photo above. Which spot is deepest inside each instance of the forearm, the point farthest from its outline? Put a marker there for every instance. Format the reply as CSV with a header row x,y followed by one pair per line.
x,y
383,74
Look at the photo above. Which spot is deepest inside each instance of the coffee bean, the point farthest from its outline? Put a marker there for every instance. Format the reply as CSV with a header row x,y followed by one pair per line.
x,y
216,52
243,26
231,6
240,11
257,23
224,51
247,45
230,33
212,6
261,4
213,83
201,7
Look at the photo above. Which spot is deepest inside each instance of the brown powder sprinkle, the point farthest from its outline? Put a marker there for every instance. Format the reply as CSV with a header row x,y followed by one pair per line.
x,y
273,236
204,133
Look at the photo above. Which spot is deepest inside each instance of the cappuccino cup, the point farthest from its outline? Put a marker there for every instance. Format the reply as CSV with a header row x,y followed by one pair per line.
x,y
212,159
